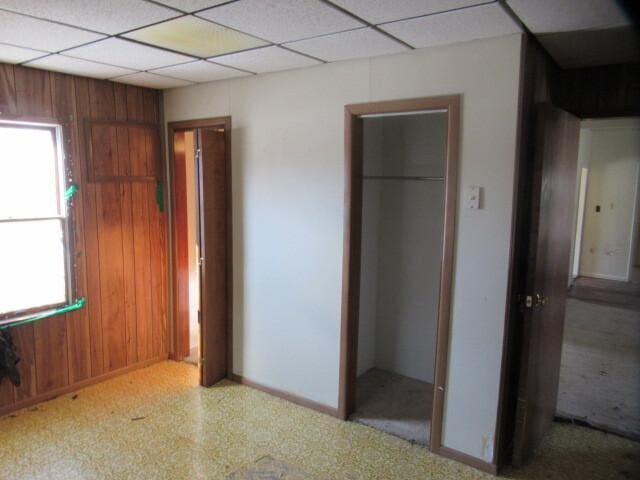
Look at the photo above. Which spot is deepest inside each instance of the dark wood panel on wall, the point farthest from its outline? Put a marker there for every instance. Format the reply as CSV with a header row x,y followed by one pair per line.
x,y
597,92
118,233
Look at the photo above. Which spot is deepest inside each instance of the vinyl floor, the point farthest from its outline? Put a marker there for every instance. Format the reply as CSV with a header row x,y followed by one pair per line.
x,y
156,423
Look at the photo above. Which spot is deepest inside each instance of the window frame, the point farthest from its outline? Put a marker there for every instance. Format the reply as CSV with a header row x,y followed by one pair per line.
x,y
63,179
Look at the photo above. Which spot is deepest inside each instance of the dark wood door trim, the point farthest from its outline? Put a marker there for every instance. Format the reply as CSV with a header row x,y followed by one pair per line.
x,y
352,246
172,127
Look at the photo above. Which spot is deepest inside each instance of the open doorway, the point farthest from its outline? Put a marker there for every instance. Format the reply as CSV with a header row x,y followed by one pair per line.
x,y
399,230
600,367
201,245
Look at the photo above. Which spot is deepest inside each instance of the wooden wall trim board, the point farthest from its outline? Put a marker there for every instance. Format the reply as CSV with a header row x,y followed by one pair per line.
x,y
352,245
173,191
304,402
117,234
468,460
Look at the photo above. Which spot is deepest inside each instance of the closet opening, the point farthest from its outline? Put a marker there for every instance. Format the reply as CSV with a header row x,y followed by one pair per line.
x,y
200,188
400,206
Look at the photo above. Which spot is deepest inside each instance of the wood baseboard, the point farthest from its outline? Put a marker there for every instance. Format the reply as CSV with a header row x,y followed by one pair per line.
x,y
303,402
474,462
28,402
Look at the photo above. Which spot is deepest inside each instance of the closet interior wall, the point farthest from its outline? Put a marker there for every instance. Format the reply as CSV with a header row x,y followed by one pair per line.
x,y
403,206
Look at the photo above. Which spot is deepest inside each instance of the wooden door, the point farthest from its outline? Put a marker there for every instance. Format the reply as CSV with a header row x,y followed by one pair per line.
x,y
553,179
213,191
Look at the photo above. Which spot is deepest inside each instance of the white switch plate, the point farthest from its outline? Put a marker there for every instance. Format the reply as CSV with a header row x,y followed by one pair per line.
x,y
472,198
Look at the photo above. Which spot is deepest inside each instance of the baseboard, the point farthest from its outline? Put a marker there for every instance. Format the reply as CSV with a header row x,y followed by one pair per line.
x,y
303,402
474,462
50,395
604,277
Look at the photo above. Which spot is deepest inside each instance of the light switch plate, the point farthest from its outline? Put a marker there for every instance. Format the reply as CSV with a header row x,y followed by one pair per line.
x,y
472,198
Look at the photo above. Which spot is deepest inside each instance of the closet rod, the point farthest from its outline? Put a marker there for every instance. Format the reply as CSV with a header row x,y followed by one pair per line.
x,y
400,177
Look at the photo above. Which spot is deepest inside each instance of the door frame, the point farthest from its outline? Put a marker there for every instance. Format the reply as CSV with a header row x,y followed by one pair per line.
x,y
352,249
185,125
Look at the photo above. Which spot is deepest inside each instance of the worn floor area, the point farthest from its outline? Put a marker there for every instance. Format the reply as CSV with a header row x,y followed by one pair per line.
x,y
608,292
600,367
156,423
394,404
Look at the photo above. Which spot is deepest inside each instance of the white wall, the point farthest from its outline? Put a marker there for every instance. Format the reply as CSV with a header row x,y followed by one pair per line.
x,y
288,192
612,153
402,244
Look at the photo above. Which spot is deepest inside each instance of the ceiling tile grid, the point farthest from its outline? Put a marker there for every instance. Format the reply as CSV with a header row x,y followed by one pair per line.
x,y
30,32
282,21
463,25
190,6
105,16
152,80
195,36
13,54
364,42
383,11
124,53
77,66
547,16
267,59
200,71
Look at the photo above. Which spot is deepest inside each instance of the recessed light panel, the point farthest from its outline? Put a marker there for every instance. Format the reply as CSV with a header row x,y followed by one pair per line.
x,y
196,37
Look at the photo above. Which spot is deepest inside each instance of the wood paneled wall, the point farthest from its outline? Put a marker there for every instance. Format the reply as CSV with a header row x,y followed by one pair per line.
x,y
119,237
600,92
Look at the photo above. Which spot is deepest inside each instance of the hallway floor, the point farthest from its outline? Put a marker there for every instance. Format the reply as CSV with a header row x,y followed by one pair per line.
x,y
156,423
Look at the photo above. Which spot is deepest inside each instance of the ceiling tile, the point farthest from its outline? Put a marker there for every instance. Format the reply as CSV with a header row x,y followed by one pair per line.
x,y
32,33
364,42
458,26
76,66
12,54
547,16
380,11
124,53
112,16
268,59
200,71
196,37
151,80
191,5
281,20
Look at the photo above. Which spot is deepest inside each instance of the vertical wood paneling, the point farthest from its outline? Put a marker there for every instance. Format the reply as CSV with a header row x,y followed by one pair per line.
x,y
142,261
118,234
94,306
51,354
7,91
78,338
25,345
111,274
33,92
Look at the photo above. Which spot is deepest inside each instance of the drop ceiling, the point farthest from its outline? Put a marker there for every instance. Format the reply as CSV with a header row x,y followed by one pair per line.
x,y
172,43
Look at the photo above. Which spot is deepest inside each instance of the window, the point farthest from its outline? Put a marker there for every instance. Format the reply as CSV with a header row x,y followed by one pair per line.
x,y
34,259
